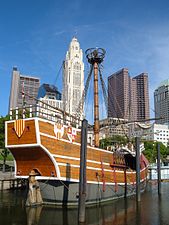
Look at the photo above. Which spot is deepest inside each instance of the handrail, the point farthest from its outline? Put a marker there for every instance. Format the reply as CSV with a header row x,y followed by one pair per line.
x,y
43,111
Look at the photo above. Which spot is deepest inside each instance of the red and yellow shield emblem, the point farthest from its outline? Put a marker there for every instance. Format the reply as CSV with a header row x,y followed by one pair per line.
x,y
19,127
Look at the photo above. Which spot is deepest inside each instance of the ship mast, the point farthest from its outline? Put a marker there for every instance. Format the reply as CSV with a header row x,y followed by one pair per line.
x,y
95,56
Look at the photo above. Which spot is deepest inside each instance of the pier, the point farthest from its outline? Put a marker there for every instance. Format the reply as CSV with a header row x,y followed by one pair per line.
x,y
153,173
8,181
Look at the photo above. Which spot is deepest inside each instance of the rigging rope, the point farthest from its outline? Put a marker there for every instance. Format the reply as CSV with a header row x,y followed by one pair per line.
x,y
74,118
103,90
82,100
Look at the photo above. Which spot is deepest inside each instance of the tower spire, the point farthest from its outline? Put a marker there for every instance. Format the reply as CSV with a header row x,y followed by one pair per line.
x,y
73,77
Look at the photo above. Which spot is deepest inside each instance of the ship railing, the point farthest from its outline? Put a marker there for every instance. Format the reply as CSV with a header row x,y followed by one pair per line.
x,y
118,159
43,112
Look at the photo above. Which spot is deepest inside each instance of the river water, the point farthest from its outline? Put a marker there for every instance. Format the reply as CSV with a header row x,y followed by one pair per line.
x,y
152,210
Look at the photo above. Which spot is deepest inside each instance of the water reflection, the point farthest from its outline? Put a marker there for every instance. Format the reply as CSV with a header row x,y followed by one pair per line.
x,y
114,213
152,210
33,215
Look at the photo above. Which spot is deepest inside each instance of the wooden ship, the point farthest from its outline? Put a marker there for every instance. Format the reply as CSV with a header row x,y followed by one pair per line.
x,y
51,149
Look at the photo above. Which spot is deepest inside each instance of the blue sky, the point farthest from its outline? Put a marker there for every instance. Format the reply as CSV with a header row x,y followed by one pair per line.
x,y
35,35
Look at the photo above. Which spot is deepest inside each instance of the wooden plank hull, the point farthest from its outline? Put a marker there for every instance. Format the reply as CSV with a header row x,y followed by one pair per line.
x,y
53,151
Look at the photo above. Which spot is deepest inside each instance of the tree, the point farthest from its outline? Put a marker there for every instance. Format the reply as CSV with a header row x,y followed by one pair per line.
x,y
116,139
4,152
151,151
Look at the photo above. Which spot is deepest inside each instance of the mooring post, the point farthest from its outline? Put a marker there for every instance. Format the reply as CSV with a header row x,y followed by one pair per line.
x,y
137,141
158,169
125,180
34,195
82,178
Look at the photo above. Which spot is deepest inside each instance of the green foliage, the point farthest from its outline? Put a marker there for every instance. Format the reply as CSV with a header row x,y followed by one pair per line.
x,y
150,147
9,157
2,131
151,151
20,113
4,154
104,143
4,151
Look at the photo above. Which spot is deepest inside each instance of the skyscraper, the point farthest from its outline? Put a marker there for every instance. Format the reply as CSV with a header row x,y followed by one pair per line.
x,y
118,94
142,97
161,102
21,83
128,98
73,77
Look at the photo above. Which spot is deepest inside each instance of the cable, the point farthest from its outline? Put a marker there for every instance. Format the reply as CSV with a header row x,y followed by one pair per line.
x,y
82,100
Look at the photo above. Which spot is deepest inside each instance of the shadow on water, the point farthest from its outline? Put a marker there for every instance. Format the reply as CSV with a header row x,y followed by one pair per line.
x,y
152,210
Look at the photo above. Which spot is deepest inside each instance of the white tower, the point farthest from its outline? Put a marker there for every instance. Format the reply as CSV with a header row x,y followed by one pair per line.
x,y
73,77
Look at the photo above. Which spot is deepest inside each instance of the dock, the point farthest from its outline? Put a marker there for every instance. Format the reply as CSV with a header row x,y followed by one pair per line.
x,y
164,172
8,181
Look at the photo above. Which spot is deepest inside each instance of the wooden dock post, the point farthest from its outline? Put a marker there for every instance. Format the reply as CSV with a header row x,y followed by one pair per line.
x,y
34,196
82,179
2,184
137,143
158,169
125,180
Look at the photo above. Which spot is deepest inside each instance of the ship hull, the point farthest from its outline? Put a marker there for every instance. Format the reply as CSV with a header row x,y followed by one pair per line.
x,y
62,193
52,151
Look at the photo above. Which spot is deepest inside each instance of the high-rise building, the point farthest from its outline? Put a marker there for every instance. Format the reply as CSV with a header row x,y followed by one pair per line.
x,y
49,91
161,102
73,77
49,102
19,84
142,96
118,94
128,98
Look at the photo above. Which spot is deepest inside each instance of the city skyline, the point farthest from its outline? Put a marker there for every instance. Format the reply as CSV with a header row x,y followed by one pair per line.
x,y
36,35
128,97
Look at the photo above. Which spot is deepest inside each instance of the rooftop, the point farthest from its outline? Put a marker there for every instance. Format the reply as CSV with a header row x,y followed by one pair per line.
x,y
164,83
50,88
